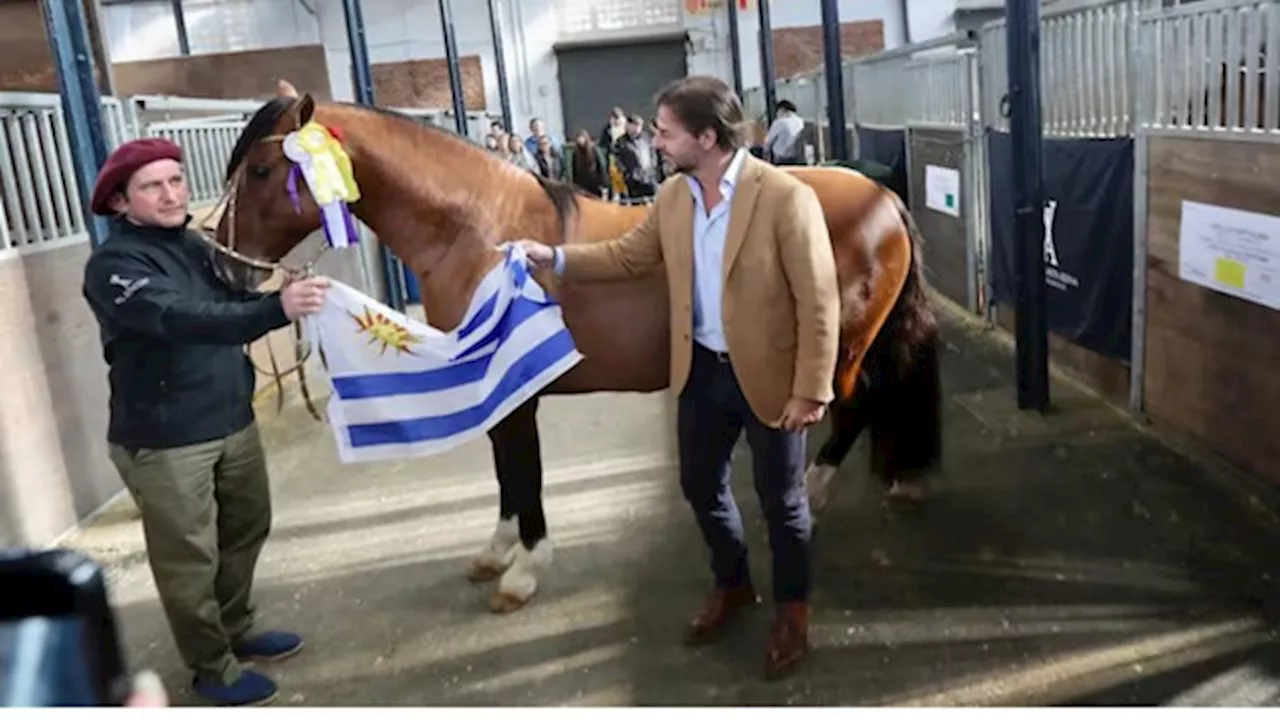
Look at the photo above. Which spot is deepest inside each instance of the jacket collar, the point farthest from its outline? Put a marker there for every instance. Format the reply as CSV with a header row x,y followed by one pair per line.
x,y
123,226
746,190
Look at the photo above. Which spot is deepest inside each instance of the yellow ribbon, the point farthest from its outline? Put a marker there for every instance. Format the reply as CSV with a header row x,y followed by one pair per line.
x,y
329,173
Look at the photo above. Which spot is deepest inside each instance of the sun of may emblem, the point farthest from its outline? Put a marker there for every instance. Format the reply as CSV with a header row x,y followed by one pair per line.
x,y
384,330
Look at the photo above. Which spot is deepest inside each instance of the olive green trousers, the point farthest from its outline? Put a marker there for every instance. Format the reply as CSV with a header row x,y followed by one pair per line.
x,y
206,513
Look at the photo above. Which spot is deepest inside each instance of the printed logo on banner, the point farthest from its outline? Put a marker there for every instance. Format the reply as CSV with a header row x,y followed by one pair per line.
x,y
1054,275
1088,237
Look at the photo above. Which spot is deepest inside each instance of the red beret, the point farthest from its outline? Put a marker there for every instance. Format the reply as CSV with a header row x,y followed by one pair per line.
x,y
123,163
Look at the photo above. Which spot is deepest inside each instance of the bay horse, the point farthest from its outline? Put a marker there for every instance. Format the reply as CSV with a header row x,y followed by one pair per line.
x,y
441,203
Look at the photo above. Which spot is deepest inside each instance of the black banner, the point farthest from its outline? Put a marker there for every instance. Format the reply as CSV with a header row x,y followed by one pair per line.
x,y
1088,247
887,147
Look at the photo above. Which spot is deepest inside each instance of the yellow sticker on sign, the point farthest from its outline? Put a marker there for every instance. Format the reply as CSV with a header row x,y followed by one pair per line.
x,y
1229,272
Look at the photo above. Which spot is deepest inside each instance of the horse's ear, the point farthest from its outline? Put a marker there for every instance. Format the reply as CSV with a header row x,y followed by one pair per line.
x,y
306,107
284,88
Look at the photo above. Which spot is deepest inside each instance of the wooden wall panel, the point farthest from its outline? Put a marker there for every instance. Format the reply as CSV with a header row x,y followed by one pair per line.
x,y
1211,358
26,64
425,83
251,74
799,49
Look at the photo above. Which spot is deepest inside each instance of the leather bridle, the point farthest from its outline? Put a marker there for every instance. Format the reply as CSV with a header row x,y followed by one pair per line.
x,y
225,210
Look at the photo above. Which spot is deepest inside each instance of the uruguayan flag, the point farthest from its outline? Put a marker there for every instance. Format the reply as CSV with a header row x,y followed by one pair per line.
x,y
402,388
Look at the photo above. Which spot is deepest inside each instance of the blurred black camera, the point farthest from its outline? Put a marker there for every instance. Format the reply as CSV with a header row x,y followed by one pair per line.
x,y
58,640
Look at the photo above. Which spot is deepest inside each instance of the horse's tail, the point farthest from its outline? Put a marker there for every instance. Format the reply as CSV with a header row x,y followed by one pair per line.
x,y
902,372
911,325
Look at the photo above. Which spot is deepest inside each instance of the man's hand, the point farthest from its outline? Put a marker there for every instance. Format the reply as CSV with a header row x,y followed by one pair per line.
x,y
540,255
304,297
801,413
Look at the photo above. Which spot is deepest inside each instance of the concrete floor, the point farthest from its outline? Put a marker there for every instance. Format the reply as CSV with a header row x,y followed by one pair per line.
x,y
1064,559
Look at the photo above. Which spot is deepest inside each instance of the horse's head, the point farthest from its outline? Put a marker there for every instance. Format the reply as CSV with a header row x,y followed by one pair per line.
x,y
261,223
432,197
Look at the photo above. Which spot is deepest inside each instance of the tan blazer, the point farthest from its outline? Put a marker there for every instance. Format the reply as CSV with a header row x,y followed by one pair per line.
x,y
781,300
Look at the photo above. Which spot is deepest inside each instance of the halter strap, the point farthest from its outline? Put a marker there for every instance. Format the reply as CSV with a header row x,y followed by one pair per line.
x,y
227,200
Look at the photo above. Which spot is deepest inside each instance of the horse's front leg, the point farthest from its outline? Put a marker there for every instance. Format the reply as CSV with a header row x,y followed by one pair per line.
x,y
495,557
519,546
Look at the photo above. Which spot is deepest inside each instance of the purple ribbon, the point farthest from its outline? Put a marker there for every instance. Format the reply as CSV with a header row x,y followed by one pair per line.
x,y
351,224
344,211
329,223
294,173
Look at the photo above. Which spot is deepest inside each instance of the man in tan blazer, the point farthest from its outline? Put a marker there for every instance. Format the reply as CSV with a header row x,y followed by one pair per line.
x,y
754,328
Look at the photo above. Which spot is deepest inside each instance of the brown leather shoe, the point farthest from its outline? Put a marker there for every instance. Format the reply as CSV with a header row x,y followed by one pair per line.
x,y
788,640
720,607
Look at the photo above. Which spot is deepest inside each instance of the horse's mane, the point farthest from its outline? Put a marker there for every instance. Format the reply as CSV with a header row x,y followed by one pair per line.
x,y
563,195
262,124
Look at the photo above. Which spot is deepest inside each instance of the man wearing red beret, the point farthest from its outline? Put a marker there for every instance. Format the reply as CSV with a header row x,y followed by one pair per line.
x,y
182,431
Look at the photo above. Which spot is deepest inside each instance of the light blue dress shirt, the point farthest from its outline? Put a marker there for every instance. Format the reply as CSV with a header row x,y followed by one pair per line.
x,y
709,231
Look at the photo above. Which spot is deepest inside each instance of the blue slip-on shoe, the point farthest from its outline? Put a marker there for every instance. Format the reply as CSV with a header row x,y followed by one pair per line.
x,y
270,646
250,689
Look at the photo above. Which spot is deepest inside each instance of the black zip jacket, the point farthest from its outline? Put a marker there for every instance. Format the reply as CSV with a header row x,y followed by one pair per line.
x,y
173,334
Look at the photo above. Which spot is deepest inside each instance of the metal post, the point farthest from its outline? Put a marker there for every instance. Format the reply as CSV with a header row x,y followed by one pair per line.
x,y
361,75
735,46
971,195
180,21
81,105
362,80
97,41
455,75
834,71
1032,355
1139,59
500,65
767,71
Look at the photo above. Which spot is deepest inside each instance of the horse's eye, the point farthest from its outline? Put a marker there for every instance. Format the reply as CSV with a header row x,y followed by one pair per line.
x,y
260,172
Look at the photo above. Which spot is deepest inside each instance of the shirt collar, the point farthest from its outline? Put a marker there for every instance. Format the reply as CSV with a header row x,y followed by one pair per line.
x,y
732,173
729,180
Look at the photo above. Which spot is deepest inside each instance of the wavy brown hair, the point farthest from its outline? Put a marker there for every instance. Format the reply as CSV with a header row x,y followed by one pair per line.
x,y
702,102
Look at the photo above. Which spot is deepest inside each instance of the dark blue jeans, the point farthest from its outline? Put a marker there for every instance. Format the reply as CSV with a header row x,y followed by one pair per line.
x,y
712,415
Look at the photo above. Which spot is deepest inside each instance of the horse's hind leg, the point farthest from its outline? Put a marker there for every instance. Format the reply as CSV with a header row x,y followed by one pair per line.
x,y
519,546
848,419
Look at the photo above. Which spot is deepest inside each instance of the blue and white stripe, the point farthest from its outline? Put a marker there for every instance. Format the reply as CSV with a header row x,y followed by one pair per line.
x,y
454,386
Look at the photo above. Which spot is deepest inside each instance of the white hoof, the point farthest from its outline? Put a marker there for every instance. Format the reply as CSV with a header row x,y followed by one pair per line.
x,y
520,581
817,485
497,555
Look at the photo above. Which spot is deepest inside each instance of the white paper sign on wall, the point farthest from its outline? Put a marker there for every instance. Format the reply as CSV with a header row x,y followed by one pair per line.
x,y
942,189
1232,251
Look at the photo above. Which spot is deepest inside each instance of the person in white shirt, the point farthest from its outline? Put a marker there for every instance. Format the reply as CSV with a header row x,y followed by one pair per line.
x,y
782,145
